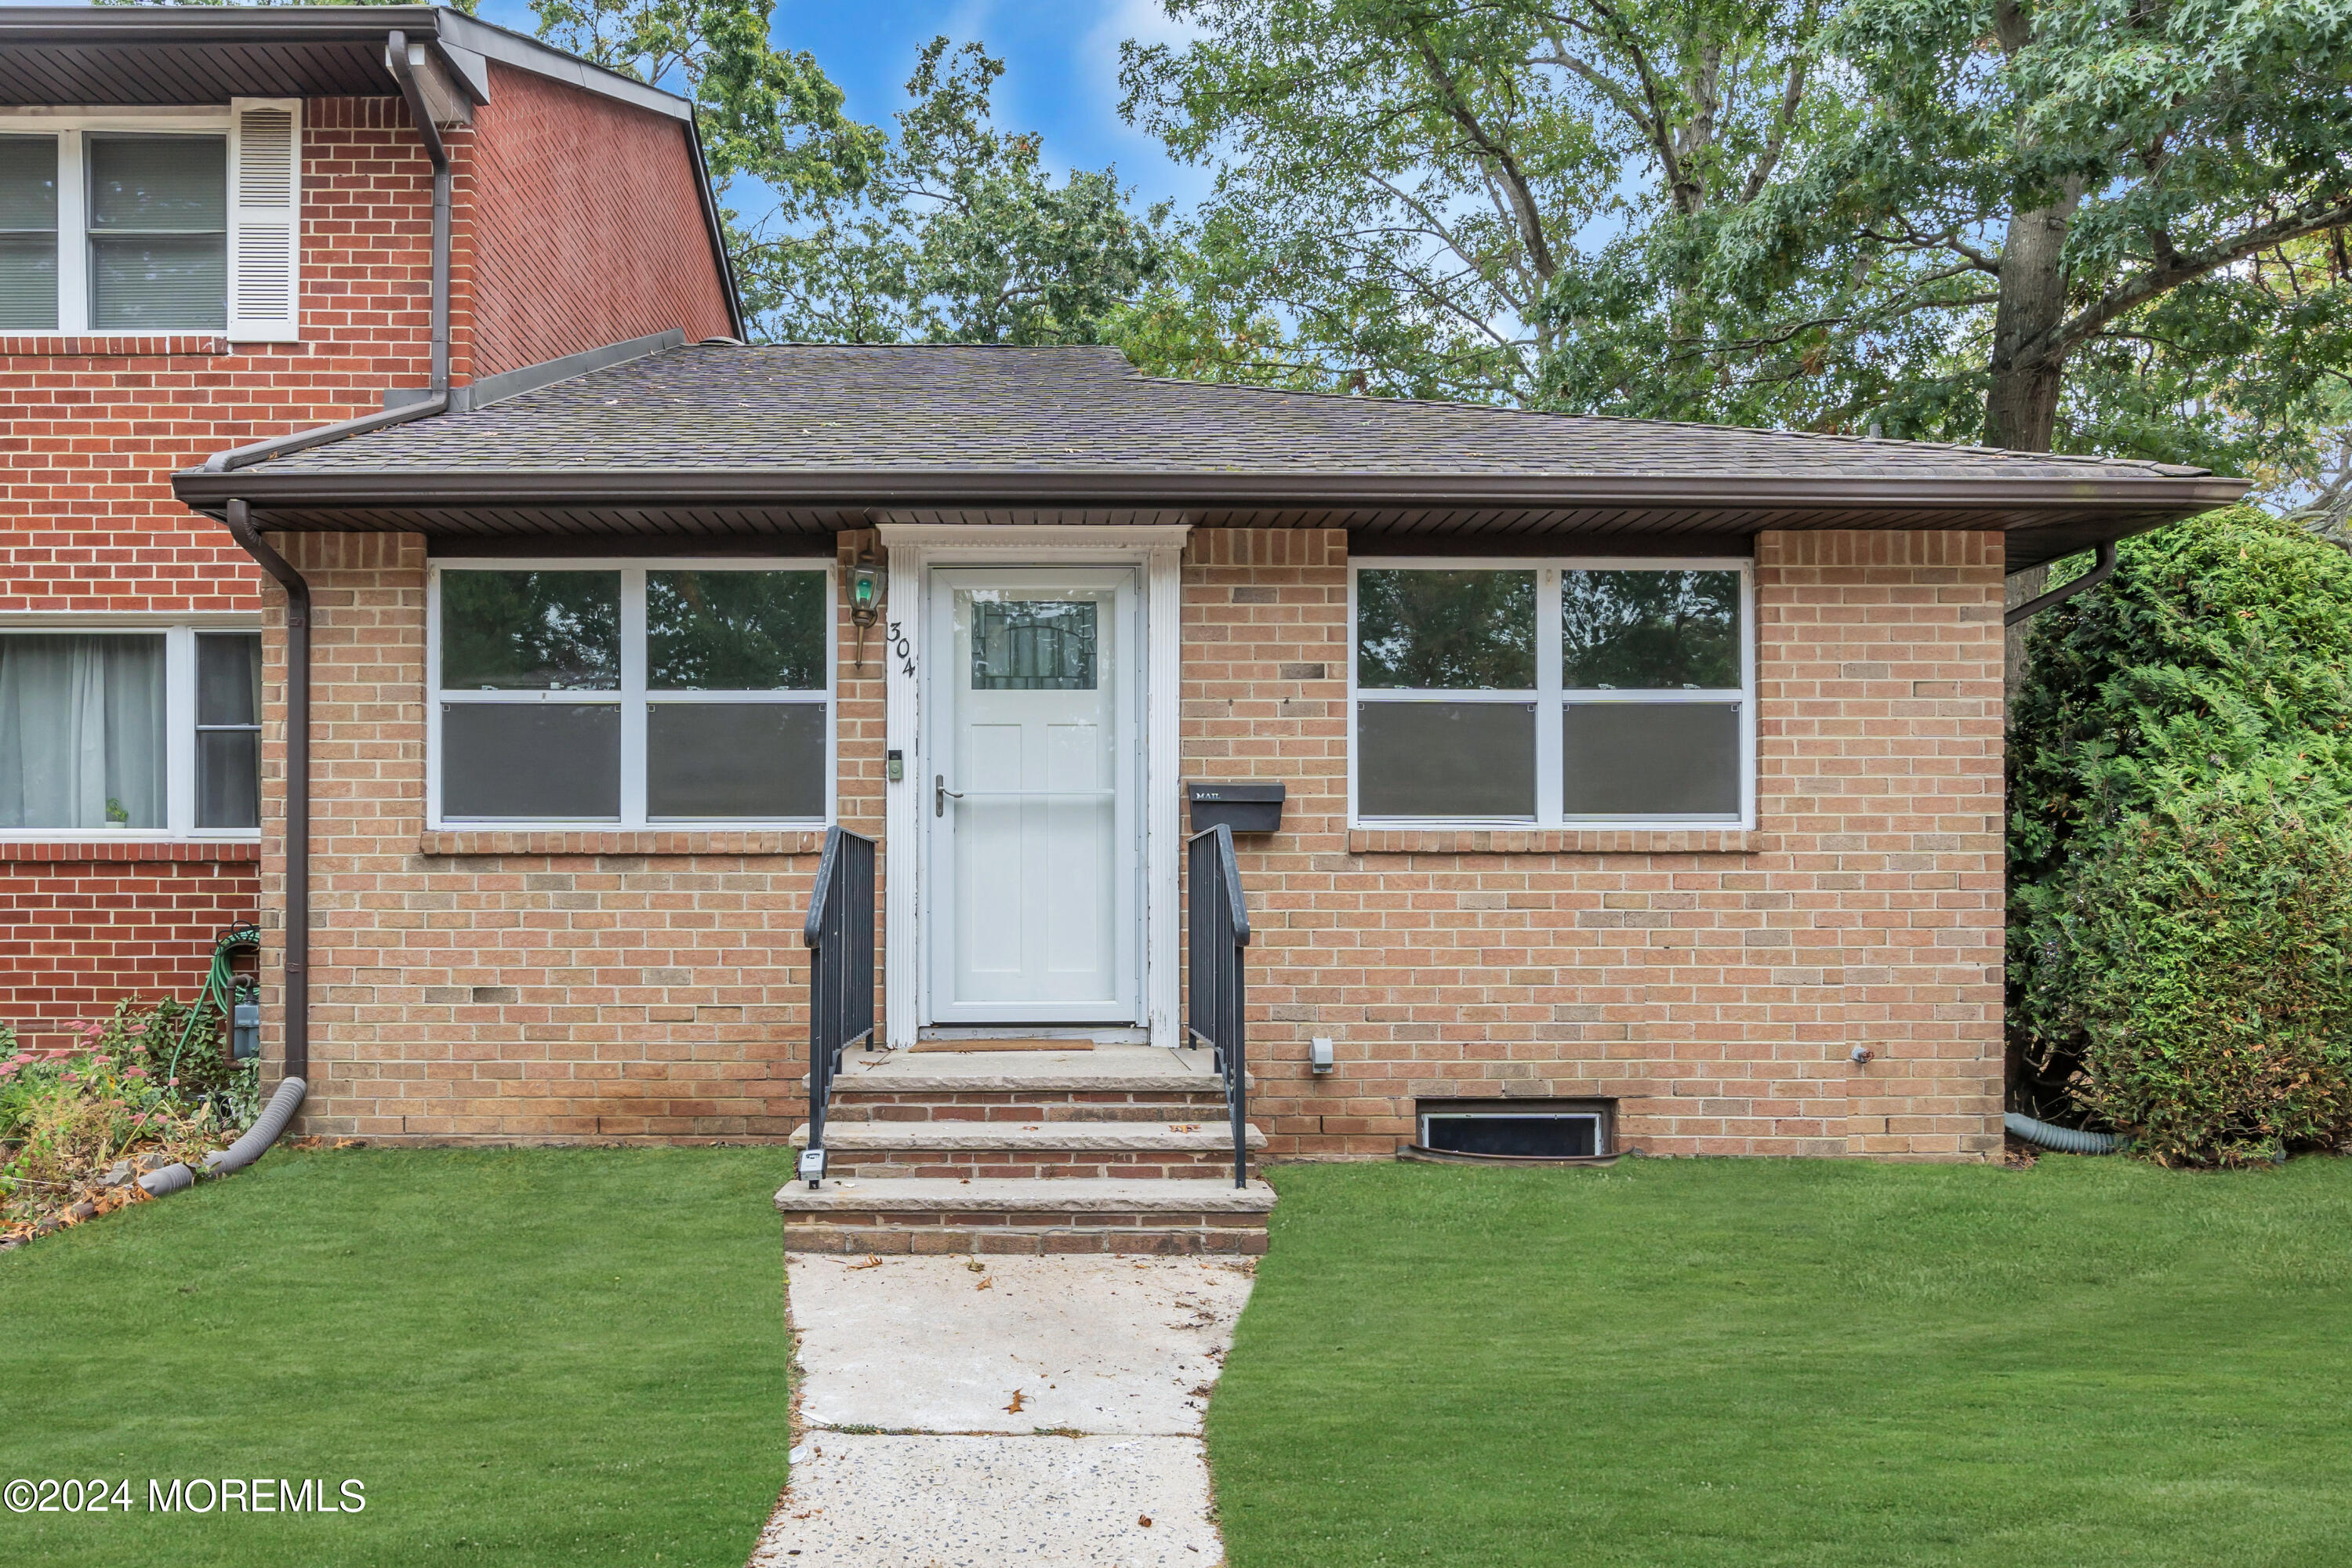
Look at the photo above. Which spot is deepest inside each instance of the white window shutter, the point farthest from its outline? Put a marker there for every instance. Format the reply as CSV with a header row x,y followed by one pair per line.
x,y
264,219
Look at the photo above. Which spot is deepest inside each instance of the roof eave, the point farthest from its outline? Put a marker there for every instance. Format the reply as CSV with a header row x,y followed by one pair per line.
x,y
317,488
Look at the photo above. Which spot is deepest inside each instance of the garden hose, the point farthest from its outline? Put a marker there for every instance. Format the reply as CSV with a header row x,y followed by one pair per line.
x,y
219,988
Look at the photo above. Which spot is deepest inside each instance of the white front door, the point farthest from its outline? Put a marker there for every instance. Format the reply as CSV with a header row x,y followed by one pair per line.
x,y
1031,767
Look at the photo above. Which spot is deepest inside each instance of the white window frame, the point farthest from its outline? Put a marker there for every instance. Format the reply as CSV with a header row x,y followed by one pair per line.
x,y
633,695
179,634
69,127
1550,697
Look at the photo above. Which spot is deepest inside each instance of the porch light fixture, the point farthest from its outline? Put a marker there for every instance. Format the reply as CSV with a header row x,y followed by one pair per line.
x,y
867,594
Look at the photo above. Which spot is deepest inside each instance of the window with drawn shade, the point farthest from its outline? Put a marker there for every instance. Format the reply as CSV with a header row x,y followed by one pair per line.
x,y
1550,694
633,695
150,731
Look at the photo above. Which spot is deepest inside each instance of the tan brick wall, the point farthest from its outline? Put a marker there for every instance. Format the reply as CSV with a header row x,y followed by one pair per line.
x,y
1716,994
651,986
639,987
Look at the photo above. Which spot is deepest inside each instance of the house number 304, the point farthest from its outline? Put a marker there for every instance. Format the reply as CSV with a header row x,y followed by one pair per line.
x,y
902,650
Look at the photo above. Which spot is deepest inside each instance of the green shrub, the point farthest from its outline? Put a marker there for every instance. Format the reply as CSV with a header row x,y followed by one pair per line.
x,y
2214,662
2205,965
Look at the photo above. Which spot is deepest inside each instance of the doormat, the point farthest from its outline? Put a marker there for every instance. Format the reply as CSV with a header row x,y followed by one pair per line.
x,y
1003,1045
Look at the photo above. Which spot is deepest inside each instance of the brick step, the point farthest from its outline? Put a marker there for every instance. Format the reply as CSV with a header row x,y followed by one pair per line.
x,y
1108,1083
982,1215
1041,1150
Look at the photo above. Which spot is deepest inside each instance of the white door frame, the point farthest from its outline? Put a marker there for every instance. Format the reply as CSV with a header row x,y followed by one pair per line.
x,y
914,549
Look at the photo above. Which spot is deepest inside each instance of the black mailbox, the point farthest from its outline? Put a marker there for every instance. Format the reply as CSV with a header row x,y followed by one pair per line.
x,y
1245,808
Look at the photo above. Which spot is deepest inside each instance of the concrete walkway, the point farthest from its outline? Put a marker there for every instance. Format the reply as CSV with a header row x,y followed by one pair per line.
x,y
984,1412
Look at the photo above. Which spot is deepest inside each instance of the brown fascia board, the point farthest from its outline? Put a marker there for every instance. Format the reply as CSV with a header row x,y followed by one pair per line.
x,y
2005,502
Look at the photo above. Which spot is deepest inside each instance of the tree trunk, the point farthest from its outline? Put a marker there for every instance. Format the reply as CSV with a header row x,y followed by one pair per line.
x,y
2028,370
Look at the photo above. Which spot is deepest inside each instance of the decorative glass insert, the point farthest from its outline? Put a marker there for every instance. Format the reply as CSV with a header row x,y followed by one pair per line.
x,y
1446,759
530,631
735,631
28,232
1650,759
228,730
82,723
1032,644
158,232
1446,630
1650,630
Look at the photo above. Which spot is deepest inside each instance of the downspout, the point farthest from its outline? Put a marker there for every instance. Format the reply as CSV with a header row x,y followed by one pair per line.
x,y
239,518
396,56
2103,569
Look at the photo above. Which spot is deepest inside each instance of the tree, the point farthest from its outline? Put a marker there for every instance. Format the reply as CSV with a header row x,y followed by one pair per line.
x,y
958,234
2070,225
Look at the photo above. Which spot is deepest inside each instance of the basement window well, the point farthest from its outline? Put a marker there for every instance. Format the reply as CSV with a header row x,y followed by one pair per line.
x,y
1527,1129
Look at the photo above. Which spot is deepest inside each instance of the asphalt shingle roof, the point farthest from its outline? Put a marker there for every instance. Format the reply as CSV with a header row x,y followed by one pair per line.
x,y
984,410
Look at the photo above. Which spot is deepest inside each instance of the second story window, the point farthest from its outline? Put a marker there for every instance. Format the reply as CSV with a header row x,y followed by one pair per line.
x,y
185,222
158,232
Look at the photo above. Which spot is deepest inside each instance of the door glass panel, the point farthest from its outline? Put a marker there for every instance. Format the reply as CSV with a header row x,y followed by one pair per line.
x,y
531,762
1650,759
735,631
530,631
1032,644
758,759
1445,759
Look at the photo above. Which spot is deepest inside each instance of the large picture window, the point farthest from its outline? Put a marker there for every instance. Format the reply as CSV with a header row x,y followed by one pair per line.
x,y
1553,693
648,693
149,731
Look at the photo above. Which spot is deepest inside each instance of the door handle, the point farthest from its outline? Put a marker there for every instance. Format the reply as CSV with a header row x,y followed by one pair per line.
x,y
939,793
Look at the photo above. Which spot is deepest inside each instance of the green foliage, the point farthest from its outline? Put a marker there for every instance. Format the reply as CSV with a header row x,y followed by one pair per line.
x,y
2165,719
1806,214
2204,957
960,234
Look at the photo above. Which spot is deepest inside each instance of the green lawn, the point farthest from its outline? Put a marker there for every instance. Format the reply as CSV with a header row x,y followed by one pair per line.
x,y
547,1356
1737,1362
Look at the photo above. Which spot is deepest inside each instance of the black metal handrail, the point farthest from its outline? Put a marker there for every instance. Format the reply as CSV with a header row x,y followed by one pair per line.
x,y
1218,929
839,935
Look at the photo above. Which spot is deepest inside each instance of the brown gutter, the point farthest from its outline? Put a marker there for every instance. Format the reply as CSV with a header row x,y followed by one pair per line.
x,y
238,515
378,488
297,785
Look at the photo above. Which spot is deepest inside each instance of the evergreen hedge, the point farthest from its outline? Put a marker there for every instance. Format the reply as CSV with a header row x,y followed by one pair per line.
x,y
2179,863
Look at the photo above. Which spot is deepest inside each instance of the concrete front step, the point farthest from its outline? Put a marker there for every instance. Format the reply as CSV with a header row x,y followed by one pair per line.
x,y
986,1216
1056,1151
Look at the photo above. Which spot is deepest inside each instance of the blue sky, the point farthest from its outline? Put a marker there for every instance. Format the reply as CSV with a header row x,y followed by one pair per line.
x,y
1061,75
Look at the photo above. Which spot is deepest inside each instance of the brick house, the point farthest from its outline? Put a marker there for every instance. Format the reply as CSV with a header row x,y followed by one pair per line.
x,y
215,227
1644,774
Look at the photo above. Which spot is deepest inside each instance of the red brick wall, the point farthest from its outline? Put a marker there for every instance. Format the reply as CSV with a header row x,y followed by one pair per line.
x,y
589,230
1713,982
